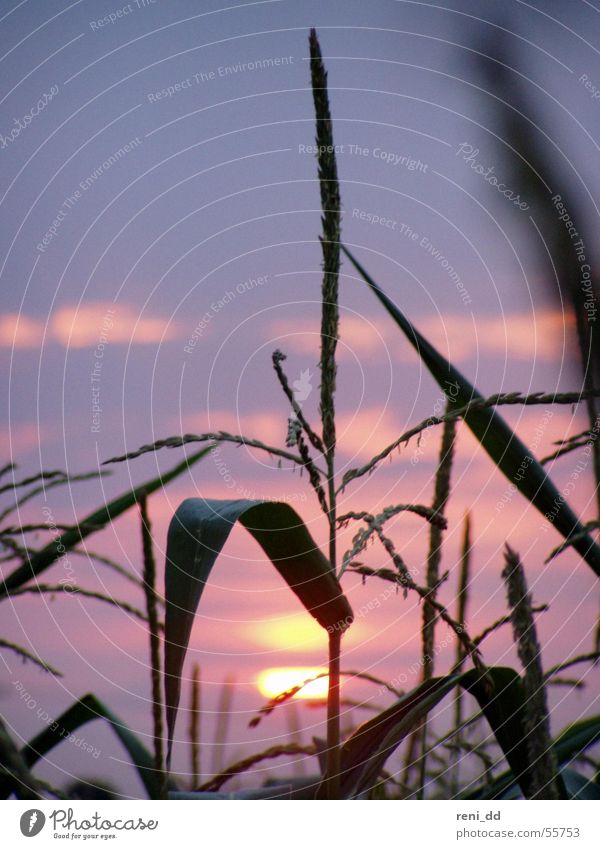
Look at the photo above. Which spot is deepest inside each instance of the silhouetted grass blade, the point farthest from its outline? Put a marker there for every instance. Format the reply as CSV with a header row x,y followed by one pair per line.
x,y
574,740
81,712
44,558
504,447
366,751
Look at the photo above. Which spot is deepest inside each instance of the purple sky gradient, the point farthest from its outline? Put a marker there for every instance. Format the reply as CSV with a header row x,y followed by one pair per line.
x,y
208,224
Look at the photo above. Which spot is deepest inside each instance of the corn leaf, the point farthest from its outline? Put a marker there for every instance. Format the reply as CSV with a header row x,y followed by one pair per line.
x,y
500,699
573,741
198,532
507,451
85,710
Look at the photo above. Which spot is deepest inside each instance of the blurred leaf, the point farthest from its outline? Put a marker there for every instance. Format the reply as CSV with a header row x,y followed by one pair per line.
x,y
577,738
14,774
507,451
504,710
44,558
579,786
81,712
198,532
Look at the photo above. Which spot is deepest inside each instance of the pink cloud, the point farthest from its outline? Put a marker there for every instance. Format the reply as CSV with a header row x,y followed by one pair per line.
x,y
543,334
359,336
20,331
85,326
21,438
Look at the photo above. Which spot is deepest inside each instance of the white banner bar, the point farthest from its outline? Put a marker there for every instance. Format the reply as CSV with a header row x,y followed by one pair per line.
x,y
300,825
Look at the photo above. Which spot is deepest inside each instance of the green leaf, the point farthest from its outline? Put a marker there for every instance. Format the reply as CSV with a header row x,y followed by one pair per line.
x,y
504,709
81,712
500,698
198,532
365,752
504,447
44,558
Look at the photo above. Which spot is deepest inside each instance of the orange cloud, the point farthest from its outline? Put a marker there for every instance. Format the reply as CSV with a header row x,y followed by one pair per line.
x,y
20,331
544,334
85,326
359,336
365,432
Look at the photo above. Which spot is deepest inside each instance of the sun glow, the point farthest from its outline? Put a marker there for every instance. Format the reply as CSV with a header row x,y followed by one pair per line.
x,y
272,682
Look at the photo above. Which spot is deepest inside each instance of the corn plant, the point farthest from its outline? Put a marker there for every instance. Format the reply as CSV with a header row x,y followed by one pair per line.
x,y
15,764
513,705
200,528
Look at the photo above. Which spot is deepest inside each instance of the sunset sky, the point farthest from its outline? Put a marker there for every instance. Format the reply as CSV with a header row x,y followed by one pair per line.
x,y
160,240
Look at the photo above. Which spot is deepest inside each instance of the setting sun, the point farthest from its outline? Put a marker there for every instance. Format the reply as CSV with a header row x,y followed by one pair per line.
x,y
272,682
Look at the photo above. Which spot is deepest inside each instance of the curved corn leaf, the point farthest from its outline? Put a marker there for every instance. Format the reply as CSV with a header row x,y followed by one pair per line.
x,y
197,533
500,698
507,451
44,558
81,712
365,752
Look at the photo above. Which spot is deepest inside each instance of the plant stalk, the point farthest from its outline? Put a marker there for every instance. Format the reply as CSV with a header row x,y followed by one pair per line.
x,y
194,728
330,246
153,628
333,717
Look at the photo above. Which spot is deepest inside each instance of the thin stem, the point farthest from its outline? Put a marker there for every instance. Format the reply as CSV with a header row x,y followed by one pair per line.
x,y
27,655
195,716
219,780
586,348
285,696
223,722
497,400
153,628
592,657
277,358
333,717
546,782
434,558
461,615
75,590
330,246
218,436
440,498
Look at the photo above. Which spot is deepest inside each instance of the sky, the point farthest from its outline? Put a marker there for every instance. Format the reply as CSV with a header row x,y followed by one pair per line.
x,y
159,240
